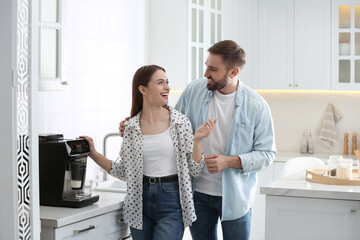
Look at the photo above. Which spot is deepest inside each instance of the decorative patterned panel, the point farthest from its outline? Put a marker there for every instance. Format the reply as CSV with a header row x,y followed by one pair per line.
x,y
23,124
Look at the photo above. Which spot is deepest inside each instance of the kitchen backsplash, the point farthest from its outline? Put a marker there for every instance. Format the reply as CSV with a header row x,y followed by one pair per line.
x,y
296,111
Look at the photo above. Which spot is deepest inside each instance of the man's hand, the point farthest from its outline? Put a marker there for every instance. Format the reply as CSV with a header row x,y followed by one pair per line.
x,y
122,126
217,163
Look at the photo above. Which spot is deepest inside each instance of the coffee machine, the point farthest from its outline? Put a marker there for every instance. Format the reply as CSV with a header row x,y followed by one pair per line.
x,y
62,171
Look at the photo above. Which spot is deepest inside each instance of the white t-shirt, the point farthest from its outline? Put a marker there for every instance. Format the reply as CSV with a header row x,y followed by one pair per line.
x,y
221,107
159,155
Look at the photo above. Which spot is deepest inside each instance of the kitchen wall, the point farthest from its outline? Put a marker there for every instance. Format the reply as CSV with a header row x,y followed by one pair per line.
x,y
296,111
103,45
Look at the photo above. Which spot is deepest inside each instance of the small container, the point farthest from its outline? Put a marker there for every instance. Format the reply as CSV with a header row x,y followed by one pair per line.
x,y
303,145
333,164
310,144
344,169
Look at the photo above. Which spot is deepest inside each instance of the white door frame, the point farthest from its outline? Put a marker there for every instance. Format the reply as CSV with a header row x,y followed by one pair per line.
x,y
19,206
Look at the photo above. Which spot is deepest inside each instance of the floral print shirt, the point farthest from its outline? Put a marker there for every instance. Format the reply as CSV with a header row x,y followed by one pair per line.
x,y
130,167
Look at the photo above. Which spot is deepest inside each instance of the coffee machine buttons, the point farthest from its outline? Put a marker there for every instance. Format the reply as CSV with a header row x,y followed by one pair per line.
x,y
76,147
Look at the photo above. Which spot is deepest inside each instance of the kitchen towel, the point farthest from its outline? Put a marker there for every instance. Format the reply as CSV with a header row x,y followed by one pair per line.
x,y
328,134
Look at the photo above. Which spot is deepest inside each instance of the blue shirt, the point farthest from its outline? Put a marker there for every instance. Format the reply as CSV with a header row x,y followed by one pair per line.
x,y
251,137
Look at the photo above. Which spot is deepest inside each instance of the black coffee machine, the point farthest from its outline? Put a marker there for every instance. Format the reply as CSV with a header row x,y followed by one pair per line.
x,y
62,170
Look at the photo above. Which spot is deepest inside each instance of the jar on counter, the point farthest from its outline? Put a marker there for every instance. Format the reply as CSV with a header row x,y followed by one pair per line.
x,y
333,164
344,169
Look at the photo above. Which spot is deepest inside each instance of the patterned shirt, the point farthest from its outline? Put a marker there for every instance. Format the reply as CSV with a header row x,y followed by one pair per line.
x,y
130,167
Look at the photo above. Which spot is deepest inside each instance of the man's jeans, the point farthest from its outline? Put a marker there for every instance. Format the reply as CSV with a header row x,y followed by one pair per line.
x,y
162,214
208,210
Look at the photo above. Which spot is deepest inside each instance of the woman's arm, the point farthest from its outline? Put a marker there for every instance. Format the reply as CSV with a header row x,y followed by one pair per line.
x,y
201,132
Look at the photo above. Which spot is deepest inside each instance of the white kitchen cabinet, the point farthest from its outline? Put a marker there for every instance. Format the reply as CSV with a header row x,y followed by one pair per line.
x,y
265,177
311,218
294,44
90,229
346,44
107,226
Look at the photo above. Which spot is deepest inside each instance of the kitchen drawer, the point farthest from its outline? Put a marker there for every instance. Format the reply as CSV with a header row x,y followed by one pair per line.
x,y
121,235
115,222
92,228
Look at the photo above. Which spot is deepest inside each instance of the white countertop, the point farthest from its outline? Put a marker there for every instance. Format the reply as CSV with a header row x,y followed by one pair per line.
x,y
55,217
297,186
283,156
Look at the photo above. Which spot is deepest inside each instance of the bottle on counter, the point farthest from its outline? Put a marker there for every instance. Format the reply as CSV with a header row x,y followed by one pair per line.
x,y
310,144
303,145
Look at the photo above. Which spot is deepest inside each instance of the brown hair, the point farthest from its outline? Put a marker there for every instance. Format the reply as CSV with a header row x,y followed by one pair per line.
x,y
233,55
141,77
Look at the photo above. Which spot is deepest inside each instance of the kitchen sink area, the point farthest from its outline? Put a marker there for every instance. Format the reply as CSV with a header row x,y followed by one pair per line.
x,y
111,185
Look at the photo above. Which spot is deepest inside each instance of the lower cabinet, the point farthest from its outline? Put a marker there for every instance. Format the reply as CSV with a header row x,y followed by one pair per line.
x,y
265,176
311,218
110,226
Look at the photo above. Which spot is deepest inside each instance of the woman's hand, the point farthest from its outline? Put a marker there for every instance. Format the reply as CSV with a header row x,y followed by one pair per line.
x,y
102,161
204,130
91,144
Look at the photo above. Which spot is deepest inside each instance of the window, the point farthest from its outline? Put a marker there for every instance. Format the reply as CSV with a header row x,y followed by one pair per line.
x,y
205,31
50,46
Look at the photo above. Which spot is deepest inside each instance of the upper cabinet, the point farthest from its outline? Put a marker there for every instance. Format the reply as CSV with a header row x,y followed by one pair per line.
x,y
294,44
346,44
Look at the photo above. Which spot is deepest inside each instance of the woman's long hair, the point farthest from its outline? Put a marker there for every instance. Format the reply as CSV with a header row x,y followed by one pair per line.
x,y
141,77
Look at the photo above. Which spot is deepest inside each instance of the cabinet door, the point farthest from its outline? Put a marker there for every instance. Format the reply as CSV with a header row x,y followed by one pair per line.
x,y
310,218
312,44
265,177
115,222
346,45
276,44
90,229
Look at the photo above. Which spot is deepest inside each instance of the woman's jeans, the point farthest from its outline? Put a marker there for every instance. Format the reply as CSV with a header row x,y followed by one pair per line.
x,y
162,214
208,210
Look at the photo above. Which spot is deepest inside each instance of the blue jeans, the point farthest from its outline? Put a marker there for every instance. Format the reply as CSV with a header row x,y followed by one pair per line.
x,y
162,214
208,210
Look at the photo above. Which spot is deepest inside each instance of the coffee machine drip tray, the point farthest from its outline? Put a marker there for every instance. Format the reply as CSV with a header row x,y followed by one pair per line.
x,y
77,203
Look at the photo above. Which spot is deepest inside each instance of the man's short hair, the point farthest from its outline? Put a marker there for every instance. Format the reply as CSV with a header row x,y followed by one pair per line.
x,y
233,55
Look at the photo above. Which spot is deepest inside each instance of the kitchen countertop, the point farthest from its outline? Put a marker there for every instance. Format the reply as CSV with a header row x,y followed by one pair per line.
x,y
56,217
283,156
297,186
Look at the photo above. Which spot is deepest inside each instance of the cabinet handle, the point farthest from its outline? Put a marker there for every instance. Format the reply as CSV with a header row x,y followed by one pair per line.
x,y
125,237
65,83
353,210
120,220
84,230
290,85
296,85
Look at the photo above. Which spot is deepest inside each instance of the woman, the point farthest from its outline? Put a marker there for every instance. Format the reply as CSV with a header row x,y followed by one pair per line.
x,y
159,155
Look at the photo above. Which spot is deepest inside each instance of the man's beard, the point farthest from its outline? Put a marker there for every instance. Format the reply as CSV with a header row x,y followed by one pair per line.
x,y
217,85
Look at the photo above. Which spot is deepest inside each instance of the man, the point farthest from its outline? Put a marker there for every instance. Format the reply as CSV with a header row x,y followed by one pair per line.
x,y
241,143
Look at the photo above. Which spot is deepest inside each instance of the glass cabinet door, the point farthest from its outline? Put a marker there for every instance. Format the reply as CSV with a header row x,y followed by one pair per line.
x,y
205,31
346,26
50,46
